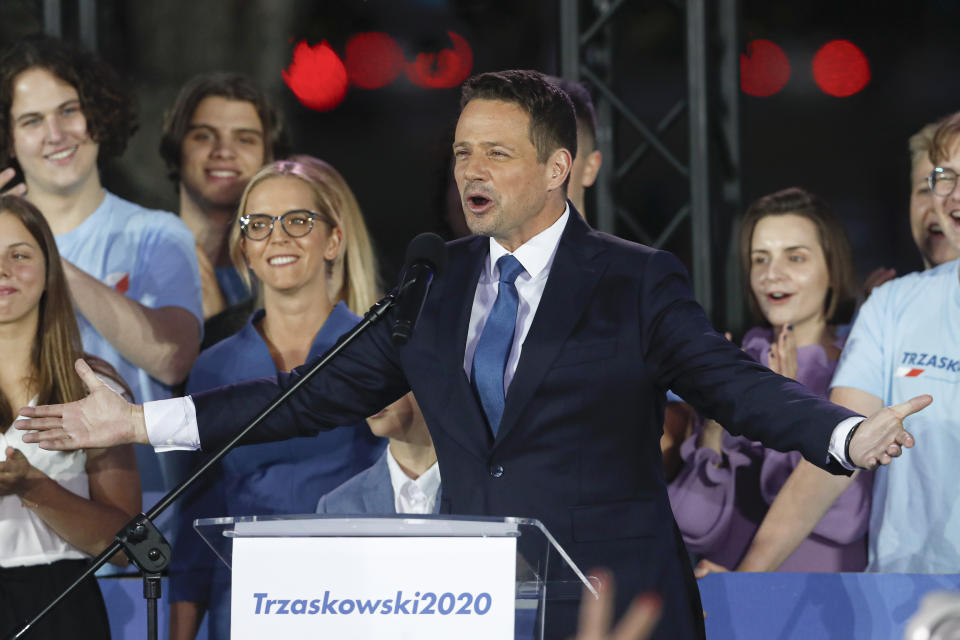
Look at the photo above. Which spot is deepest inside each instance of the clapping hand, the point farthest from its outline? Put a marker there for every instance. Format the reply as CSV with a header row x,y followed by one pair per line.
x,y
876,278
102,419
783,353
13,472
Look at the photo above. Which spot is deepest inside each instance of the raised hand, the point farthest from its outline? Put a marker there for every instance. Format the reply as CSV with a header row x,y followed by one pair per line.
x,y
102,419
880,438
6,176
783,353
876,278
596,614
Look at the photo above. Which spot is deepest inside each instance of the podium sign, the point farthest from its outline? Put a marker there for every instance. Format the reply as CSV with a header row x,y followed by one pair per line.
x,y
373,587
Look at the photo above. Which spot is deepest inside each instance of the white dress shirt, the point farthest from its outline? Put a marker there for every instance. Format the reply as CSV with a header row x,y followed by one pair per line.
x,y
536,257
172,424
413,495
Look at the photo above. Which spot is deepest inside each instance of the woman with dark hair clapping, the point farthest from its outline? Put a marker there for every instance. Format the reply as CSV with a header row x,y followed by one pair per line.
x,y
798,268
57,508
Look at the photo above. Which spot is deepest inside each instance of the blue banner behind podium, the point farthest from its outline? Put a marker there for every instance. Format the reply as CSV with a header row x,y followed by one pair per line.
x,y
852,606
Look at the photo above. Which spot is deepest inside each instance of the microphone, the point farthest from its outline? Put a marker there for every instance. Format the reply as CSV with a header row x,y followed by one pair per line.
x,y
426,257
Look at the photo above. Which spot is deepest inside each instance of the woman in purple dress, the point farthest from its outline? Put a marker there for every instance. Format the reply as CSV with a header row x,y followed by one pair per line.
x,y
798,264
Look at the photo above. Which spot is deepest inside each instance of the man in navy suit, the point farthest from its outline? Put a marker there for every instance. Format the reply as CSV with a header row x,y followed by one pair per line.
x,y
405,479
585,332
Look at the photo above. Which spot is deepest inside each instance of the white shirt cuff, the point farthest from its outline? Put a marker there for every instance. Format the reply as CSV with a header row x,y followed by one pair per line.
x,y
172,424
838,441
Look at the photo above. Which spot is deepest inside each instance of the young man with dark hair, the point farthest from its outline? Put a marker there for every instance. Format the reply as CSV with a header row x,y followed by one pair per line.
x,y
220,130
586,164
540,362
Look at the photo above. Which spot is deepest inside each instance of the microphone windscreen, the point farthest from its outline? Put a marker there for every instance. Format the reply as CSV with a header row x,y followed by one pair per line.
x,y
429,248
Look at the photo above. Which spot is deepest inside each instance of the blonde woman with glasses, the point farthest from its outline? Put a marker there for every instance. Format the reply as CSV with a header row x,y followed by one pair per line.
x,y
290,233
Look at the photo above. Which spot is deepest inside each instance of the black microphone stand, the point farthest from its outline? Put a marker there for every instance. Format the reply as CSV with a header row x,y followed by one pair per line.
x,y
142,541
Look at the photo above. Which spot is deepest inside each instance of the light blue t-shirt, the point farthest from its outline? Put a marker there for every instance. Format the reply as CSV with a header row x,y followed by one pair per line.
x,y
147,255
906,342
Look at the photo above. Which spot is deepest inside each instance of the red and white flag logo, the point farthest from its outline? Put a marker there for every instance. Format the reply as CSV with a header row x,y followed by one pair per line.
x,y
908,372
119,281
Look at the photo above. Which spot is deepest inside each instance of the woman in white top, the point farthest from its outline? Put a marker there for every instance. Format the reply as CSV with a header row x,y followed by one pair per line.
x,y
56,508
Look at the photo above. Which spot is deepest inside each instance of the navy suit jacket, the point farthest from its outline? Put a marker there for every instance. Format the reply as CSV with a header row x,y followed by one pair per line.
x,y
368,492
578,445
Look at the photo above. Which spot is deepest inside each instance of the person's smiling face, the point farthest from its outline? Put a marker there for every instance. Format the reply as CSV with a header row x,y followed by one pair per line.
x,y
924,221
23,271
222,150
948,206
282,262
788,271
49,132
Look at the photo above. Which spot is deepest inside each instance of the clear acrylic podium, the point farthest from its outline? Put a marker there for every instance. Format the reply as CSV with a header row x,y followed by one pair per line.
x,y
542,571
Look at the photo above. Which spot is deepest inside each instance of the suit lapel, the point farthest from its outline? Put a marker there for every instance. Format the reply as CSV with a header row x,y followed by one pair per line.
x,y
572,278
378,489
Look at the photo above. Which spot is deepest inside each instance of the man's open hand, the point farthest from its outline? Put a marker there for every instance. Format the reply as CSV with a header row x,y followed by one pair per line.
x,y
881,437
102,419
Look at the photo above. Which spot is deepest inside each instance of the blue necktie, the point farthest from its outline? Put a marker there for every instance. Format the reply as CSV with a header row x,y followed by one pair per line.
x,y
493,348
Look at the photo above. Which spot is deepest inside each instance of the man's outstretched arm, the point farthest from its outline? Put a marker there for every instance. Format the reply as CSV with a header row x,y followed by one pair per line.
x,y
102,419
365,375
724,383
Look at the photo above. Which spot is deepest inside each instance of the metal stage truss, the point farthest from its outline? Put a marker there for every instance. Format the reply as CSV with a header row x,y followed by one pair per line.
x,y
591,32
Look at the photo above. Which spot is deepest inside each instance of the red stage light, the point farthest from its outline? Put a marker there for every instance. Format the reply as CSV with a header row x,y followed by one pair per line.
x,y
442,70
373,60
316,76
840,68
764,69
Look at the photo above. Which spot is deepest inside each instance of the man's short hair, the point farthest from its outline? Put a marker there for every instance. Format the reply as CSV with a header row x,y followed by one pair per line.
x,y
553,123
582,104
232,86
107,104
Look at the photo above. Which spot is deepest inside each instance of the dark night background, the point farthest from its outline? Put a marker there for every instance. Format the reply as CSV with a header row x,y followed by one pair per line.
x,y
392,144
